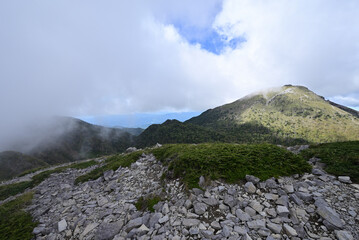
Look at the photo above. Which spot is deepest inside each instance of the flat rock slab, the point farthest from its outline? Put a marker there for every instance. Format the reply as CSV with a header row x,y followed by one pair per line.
x,y
62,225
331,218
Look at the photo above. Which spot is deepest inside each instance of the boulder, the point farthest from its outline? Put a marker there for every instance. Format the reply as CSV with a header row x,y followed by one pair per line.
x,y
331,219
250,188
252,179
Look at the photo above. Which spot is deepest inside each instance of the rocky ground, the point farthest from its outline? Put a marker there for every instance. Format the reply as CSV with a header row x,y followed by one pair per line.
x,y
312,206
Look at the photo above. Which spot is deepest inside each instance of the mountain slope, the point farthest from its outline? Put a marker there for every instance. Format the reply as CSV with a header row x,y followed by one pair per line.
x,y
13,163
291,111
288,115
80,140
174,131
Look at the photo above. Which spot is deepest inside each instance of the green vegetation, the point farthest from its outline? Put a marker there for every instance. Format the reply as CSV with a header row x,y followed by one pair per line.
x,y
13,189
15,223
16,188
32,170
173,131
112,163
13,163
288,113
289,116
143,204
230,162
341,158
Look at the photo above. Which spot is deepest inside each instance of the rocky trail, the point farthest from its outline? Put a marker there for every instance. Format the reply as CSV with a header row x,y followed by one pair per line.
x,y
312,206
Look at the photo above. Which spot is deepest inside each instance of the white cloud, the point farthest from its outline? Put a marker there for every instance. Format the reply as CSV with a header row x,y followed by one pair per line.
x,y
90,57
350,100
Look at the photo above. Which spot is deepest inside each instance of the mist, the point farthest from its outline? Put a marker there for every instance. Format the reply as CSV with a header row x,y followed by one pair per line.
x,y
90,58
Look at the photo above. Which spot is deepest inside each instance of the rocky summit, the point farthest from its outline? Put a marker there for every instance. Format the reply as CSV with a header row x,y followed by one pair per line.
x,y
315,205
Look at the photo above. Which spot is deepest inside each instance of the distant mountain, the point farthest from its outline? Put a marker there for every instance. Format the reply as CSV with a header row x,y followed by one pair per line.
x,y
173,131
13,163
60,140
77,139
133,131
288,115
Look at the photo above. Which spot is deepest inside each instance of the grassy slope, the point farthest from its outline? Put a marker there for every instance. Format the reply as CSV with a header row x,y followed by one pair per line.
x,y
15,223
12,163
173,131
112,163
299,113
341,158
230,162
290,114
16,188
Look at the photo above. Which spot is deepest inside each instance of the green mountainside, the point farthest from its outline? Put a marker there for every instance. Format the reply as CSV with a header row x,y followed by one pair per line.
x,y
13,163
173,131
81,140
288,115
74,140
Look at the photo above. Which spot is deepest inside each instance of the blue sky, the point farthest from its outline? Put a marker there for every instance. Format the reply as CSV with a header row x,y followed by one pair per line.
x,y
141,120
208,38
92,58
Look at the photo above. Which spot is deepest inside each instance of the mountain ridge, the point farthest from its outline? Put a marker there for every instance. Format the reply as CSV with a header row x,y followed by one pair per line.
x,y
287,115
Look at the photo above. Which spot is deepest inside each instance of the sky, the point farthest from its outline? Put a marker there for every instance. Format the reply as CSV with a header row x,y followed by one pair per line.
x,y
100,58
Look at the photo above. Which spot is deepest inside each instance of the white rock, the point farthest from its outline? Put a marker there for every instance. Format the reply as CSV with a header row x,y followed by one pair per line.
x,y
62,225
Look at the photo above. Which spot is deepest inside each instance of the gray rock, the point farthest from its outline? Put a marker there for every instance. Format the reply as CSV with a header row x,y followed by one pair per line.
x,y
317,171
211,201
252,179
131,149
134,223
107,175
226,231
282,211
250,211
270,183
275,228
343,235
331,218
107,231
271,196
291,232
288,188
201,181
188,204
296,199
154,219
194,231
250,188
38,230
243,216
264,232
283,200
344,179
188,222
88,229
305,196
229,200
215,225
256,206
163,219
199,208
271,211
62,225
256,224
165,209
197,191
207,233
240,230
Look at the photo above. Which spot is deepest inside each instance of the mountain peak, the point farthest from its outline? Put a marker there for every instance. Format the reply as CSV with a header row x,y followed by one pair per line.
x,y
288,112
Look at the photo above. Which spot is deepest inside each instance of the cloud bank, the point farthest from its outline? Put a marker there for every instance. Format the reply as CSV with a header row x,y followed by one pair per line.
x,y
113,57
